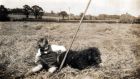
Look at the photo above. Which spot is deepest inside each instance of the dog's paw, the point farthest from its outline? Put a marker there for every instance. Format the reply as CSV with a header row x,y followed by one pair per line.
x,y
101,64
52,69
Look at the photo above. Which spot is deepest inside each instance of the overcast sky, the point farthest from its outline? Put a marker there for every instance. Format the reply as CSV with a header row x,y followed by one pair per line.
x,y
78,6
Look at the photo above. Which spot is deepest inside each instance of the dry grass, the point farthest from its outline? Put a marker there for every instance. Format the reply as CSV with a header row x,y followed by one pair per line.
x,y
118,43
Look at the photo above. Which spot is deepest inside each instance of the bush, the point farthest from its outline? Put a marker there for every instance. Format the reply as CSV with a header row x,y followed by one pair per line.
x,y
126,18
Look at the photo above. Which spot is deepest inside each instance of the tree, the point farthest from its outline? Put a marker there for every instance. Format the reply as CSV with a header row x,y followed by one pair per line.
x,y
38,11
81,14
16,11
102,17
3,13
63,14
27,10
52,12
126,18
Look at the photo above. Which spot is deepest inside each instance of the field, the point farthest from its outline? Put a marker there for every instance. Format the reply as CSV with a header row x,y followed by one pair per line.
x,y
119,45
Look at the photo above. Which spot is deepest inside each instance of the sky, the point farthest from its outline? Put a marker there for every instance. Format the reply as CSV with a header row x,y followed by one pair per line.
x,y
78,6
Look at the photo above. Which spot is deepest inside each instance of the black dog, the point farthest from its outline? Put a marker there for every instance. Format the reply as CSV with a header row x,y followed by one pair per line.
x,y
82,59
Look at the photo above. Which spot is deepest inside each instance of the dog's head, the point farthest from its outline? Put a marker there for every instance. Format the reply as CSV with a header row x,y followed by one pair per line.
x,y
43,44
95,56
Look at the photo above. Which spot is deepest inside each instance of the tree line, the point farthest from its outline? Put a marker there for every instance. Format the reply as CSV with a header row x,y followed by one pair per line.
x,y
35,10
38,12
27,10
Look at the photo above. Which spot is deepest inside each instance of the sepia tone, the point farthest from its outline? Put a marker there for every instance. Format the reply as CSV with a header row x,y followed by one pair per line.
x,y
117,36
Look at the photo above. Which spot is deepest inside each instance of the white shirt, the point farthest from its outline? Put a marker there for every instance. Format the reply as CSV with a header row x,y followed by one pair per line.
x,y
55,48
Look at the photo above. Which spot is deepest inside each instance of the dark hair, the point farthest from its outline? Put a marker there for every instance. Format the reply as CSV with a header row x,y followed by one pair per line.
x,y
42,42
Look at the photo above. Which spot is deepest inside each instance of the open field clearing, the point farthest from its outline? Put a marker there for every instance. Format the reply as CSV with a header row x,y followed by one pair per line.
x,y
119,45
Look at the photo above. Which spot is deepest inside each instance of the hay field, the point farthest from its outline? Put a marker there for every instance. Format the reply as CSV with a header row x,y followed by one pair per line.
x,y
119,45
